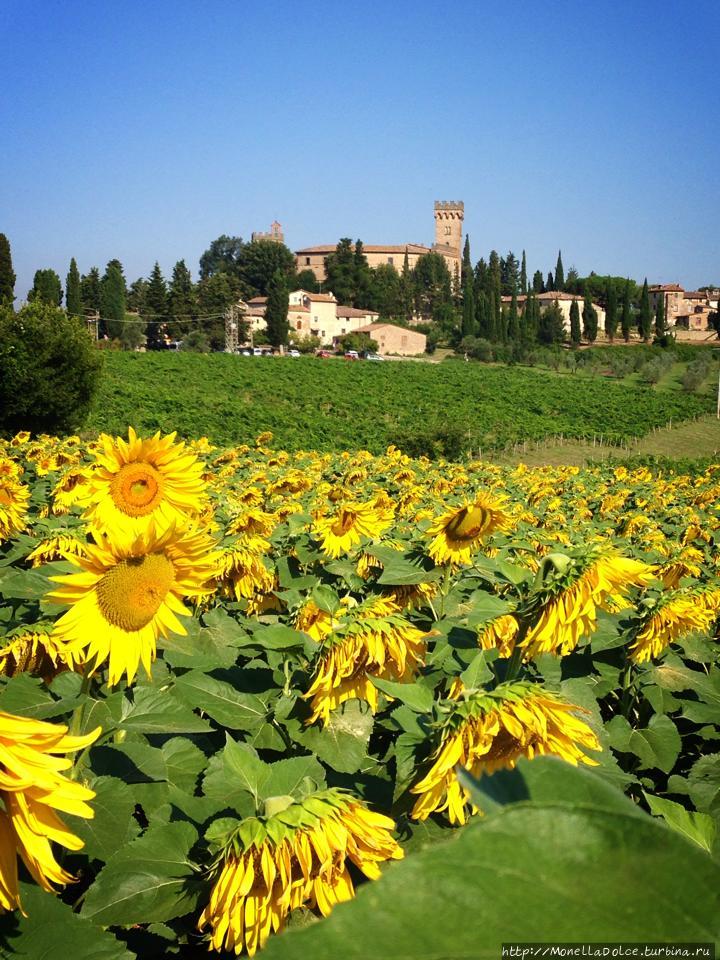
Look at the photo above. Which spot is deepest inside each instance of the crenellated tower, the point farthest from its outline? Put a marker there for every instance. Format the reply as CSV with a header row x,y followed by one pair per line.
x,y
449,216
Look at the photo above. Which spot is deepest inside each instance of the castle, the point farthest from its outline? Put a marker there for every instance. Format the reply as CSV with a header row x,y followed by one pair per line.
x,y
449,216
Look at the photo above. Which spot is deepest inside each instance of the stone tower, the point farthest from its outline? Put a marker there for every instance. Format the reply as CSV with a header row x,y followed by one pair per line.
x,y
449,216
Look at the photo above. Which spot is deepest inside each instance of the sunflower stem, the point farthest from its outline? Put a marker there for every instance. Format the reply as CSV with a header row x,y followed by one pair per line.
x,y
516,658
627,682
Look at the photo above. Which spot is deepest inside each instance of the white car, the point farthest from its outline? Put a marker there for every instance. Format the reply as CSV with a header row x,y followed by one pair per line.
x,y
293,353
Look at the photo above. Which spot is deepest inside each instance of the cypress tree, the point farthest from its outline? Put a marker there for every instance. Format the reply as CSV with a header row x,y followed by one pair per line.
x,y
645,316
523,275
406,290
467,270
574,323
468,306
660,316
276,314
73,303
481,314
7,274
181,301
493,325
513,327
549,283
90,290
495,283
503,325
611,320
590,320
559,273
46,288
538,284
156,298
112,300
626,316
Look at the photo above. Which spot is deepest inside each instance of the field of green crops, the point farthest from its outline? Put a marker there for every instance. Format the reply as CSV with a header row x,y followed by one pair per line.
x,y
334,405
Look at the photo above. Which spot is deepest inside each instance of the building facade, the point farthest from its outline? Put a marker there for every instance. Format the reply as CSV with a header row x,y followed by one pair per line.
x,y
449,216
275,235
687,309
398,341
564,301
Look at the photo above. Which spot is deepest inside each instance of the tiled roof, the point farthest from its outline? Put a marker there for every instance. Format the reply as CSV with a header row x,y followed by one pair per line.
x,y
354,312
368,248
666,288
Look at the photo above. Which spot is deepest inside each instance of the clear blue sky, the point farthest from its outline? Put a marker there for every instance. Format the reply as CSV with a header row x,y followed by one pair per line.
x,y
142,130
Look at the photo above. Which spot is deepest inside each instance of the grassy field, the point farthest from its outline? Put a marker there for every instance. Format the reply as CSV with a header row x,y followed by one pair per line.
x,y
335,405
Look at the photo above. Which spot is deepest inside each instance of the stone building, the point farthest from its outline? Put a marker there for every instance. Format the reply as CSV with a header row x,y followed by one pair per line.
x,y
398,341
449,216
275,235
564,301
687,309
312,315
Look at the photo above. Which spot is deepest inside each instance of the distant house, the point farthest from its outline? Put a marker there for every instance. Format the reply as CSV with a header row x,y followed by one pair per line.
x,y
564,301
395,340
688,309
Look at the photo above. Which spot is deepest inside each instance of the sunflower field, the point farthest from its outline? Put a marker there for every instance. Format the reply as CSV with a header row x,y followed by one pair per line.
x,y
346,705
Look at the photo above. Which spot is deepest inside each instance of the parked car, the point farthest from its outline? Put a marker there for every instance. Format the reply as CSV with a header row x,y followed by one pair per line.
x,y
324,354
293,353
352,355
373,356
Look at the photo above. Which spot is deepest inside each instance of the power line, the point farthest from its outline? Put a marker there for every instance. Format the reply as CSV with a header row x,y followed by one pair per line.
x,y
93,318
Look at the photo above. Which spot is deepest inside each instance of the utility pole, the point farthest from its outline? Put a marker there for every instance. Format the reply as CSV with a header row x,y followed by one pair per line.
x,y
233,318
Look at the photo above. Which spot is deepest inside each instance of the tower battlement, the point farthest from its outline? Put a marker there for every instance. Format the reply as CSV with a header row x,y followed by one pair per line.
x,y
454,205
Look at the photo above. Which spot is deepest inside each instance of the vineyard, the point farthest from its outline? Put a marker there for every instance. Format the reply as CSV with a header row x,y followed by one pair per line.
x,y
333,405
334,704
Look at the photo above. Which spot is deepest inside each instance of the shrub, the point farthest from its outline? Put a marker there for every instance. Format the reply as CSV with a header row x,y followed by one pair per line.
x,y
196,342
50,370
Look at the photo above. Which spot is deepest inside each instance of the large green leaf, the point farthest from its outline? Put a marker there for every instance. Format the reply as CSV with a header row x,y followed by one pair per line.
x,y
149,710
51,929
698,827
220,700
149,880
343,743
113,824
530,873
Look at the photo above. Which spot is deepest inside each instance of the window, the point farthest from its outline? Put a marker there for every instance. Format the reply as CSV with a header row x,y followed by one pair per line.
x,y
298,325
448,230
403,341
390,261
307,261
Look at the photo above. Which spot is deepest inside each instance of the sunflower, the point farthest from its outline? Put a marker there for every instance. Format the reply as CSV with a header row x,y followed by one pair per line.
x,y
242,573
670,618
59,547
490,730
458,532
499,634
385,646
138,483
345,528
295,856
314,621
31,652
129,594
571,612
687,563
72,489
14,498
31,790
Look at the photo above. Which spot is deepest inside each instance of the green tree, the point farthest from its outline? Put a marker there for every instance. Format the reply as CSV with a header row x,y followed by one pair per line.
x,y
495,286
7,274
407,290
529,319
113,300
513,327
538,284
660,330
50,370
132,332
196,341
509,275
550,283
611,313
340,271
46,288
137,296
468,305
260,260
362,274
571,280
645,315
626,314
385,294
214,295
182,305
306,280
523,275
590,320
276,313
73,300
551,324
156,306
90,290
433,288
559,273
574,323
224,255
467,269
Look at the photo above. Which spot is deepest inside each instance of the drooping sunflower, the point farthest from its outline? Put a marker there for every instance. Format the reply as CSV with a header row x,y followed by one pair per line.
x,y
128,594
73,488
457,533
499,634
242,572
386,646
670,618
58,547
14,499
570,612
295,856
490,730
32,652
32,788
138,483
351,521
